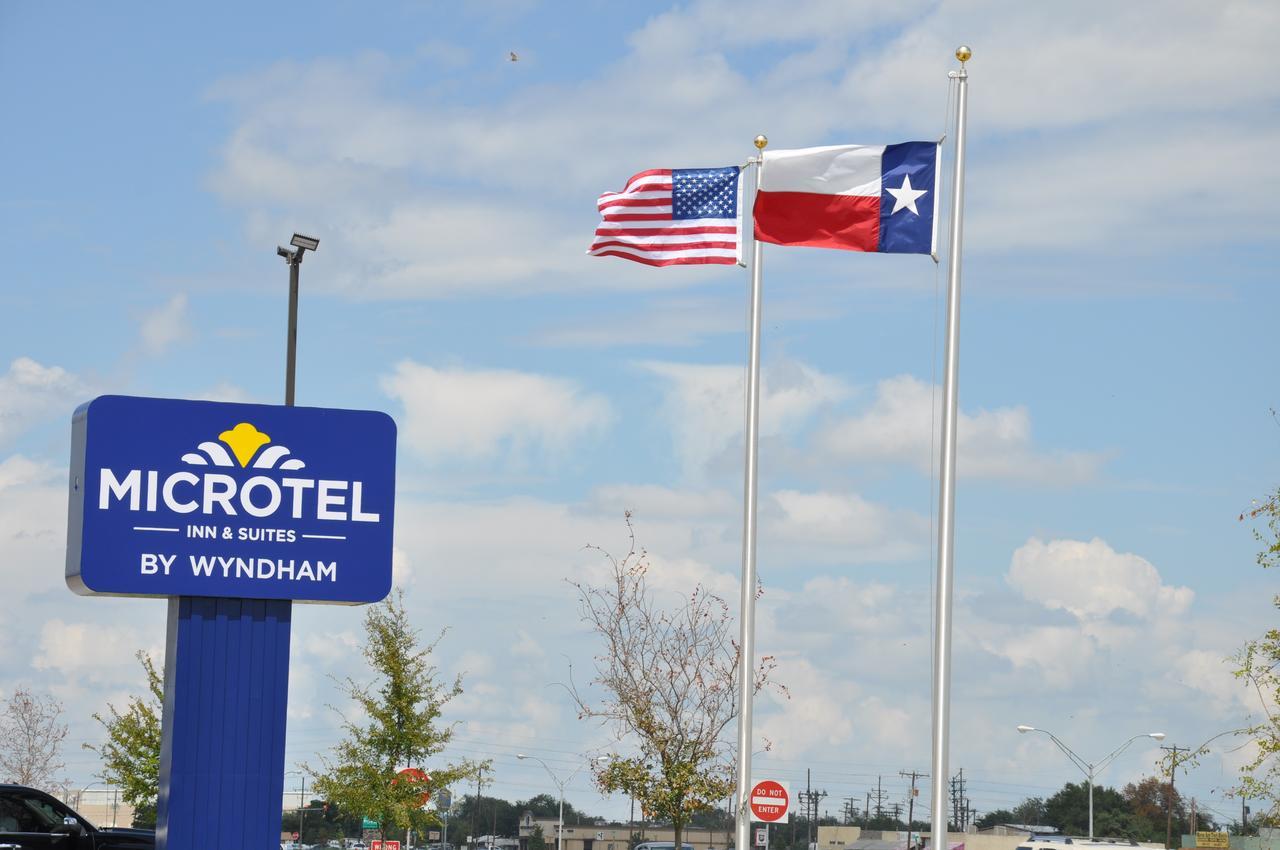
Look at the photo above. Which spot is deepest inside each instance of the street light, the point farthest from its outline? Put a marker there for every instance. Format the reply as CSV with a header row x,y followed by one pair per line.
x,y
560,785
1090,769
302,803
300,245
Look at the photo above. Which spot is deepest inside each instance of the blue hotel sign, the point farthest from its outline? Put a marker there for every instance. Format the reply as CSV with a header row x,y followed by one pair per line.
x,y
199,498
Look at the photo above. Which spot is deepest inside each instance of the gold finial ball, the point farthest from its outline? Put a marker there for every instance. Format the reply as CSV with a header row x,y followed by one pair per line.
x,y
761,141
963,53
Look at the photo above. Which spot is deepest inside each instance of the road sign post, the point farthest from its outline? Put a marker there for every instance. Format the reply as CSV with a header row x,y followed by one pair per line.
x,y
770,801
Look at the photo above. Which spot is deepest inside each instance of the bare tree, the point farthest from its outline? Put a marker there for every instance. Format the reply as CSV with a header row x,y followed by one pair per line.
x,y
669,683
31,739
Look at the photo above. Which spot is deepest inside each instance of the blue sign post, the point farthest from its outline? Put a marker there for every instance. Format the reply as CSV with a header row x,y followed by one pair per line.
x,y
232,511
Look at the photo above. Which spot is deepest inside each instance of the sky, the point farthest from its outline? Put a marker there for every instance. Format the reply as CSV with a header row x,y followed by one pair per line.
x,y
1115,392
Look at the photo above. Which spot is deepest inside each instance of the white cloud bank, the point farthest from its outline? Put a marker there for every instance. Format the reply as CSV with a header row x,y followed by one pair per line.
x,y
705,405
1091,580
31,391
475,413
348,139
900,426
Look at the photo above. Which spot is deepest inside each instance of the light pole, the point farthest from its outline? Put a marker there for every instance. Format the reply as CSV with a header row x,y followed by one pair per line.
x,y
300,245
80,795
1090,769
560,785
302,802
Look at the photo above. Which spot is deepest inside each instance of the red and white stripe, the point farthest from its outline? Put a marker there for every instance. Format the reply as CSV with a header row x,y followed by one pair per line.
x,y
636,224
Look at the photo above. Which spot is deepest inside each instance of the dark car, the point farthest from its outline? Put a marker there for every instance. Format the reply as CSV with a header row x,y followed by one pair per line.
x,y
32,820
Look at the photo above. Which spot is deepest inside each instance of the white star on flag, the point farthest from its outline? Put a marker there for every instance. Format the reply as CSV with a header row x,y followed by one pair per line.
x,y
905,196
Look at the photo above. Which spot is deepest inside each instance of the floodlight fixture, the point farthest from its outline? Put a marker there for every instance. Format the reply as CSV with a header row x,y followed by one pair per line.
x,y
301,244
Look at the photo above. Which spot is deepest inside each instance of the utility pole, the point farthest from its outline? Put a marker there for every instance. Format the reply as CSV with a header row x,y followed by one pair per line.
x,y
302,807
494,831
808,801
879,797
1173,769
866,813
911,800
476,807
958,799
810,798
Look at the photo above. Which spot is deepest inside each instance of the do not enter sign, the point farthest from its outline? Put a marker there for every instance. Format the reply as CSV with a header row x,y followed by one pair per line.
x,y
418,777
769,801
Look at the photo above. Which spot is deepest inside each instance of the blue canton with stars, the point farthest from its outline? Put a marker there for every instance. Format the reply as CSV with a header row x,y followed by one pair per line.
x,y
704,193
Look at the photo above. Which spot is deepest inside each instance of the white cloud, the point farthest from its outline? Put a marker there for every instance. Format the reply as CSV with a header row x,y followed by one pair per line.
x,y
92,651
30,392
527,646
347,140
1017,61
1059,654
1091,580
160,328
224,391
401,569
844,527
33,511
996,443
823,712
1210,673
477,413
706,405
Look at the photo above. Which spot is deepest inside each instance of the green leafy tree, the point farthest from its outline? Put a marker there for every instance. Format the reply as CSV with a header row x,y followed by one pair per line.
x,y
537,841
1258,664
1030,811
994,818
401,727
547,806
1069,811
668,685
131,753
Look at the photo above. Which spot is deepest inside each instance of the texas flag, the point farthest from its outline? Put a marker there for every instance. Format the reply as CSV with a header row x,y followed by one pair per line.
x,y
854,197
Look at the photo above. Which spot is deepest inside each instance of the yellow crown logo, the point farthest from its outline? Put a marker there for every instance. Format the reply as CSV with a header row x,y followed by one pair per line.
x,y
244,440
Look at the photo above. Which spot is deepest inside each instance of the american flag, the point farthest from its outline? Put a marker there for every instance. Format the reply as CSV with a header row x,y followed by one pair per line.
x,y
672,216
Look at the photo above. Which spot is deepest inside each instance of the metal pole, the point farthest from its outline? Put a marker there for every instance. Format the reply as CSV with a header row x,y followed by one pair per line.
x,y
1090,802
747,614
808,807
291,359
560,827
946,509
476,808
302,807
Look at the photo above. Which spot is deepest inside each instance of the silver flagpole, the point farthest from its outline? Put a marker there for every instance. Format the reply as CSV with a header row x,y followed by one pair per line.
x,y
747,614
947,502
